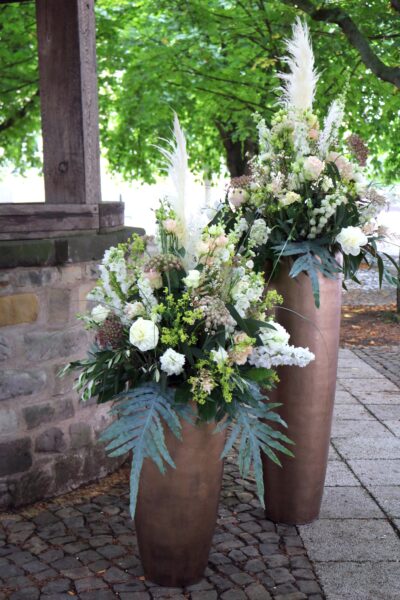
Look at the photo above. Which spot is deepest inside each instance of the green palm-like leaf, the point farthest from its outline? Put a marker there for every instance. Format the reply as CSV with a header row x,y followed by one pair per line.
x,y
141,415
254,435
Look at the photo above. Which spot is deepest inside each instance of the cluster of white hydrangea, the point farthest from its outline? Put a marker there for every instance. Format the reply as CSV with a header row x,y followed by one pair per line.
x,y
259,234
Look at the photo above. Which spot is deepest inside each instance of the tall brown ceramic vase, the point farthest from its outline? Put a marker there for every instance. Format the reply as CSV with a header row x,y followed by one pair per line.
x,y
293,493
176,513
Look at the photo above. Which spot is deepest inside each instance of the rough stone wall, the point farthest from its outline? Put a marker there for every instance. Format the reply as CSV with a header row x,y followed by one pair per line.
x,y
47,437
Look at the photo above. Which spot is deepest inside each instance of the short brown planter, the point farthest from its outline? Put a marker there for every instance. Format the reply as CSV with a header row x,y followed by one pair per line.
x,y
293,493
176,513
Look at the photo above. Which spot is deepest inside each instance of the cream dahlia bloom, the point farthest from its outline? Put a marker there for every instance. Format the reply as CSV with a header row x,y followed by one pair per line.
x,y
143,334
172,362
351,239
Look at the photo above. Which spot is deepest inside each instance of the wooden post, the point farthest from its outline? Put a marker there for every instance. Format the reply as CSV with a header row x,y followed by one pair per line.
x,y
69,103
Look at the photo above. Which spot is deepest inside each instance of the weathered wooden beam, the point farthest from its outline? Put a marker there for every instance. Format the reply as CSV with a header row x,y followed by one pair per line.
x,y
69,102
36,220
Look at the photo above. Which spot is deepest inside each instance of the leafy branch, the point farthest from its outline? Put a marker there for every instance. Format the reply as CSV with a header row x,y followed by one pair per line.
x,y
337,16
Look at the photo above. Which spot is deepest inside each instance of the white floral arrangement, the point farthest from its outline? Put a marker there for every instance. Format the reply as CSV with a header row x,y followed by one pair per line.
x,y
190,325
313,197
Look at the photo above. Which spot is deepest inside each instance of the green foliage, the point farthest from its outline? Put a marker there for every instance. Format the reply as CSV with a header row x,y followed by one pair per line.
x,y
215,62
311,257
253,435
139,428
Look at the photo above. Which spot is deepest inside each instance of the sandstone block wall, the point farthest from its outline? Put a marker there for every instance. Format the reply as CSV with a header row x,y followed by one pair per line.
x,y
48,439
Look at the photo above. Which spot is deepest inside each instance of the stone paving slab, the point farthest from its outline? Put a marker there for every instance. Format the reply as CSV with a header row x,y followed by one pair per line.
x,y
333,540
385,360
355,545
360,581
388,497
377,472
339,475
349,502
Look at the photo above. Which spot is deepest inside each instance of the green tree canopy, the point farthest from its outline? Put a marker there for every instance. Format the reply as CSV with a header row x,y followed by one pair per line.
x,y
215,62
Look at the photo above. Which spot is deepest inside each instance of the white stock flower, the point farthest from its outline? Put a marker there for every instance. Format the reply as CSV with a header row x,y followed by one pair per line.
x,y
351,239
172,362
143,334
219,356
134,309
192,279
313,167
100,313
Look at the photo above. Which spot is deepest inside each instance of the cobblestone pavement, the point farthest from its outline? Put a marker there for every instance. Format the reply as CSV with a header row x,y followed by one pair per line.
x,y
83,545
88,549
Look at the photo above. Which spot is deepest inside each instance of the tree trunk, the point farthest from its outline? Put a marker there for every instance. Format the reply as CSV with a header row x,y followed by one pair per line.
x,y
238,153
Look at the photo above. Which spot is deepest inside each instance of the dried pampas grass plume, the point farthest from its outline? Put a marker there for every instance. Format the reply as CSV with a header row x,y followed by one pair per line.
x,y
299,84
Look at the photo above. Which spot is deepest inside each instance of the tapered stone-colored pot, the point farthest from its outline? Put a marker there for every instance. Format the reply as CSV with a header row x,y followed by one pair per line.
x,y
293,493
176,513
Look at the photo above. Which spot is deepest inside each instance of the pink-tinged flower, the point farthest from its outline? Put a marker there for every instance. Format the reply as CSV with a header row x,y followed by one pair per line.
x,y
313,167
154,278
344,167
170,226
237,196
313,134
221,241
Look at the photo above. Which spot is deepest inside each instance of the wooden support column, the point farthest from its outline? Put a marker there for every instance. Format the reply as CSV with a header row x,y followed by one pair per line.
x,y
69,102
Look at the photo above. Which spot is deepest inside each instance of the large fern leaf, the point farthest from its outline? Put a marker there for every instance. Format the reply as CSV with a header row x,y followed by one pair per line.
x,y
253,434
139,427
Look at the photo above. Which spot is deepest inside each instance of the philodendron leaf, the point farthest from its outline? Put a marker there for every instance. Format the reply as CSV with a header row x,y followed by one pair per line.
x,y
254,436
142,414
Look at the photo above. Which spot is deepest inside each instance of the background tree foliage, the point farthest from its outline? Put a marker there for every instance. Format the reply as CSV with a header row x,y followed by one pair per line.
x,y
215,63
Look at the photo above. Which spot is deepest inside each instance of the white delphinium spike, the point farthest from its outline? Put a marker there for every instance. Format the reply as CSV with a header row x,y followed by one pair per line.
x,y
299,84
332,123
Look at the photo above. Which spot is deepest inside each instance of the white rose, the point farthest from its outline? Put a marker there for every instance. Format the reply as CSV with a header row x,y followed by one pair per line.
x,y
351,239
100,313
313,167
134,309
192,279
172,362
219,356
143,334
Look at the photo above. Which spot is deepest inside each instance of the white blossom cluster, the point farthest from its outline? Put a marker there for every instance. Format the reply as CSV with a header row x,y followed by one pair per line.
x,y
248,289
277,351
